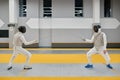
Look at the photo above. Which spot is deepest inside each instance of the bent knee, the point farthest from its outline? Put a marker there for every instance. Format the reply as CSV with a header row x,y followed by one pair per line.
x,y
28,55
88,54
14,55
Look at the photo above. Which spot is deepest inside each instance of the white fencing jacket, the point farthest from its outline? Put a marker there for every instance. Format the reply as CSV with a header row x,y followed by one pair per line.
x,y
99,40
19,39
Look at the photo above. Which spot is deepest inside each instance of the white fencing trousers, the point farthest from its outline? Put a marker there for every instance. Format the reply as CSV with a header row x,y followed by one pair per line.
x,y
100,51
16,51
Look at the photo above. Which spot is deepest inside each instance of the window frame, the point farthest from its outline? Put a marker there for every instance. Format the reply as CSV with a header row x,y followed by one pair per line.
x,y
22,8
108,13
79,11
47,8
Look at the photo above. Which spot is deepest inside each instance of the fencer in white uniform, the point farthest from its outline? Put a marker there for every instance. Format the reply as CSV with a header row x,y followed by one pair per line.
x,y
18,40
100,43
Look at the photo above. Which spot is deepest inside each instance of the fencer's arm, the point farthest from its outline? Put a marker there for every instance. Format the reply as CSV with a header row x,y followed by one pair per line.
x,y
25,42
90,40
105,41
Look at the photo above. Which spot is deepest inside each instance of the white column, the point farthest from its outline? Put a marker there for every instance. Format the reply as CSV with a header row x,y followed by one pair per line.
x,y
96,11
11,11
12,19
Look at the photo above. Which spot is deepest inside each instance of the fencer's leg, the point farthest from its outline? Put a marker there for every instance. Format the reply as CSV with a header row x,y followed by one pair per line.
x,y
12,59
107,59
89,54
28,56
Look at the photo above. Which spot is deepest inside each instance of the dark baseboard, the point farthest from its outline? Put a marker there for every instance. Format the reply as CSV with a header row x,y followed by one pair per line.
x,y
113,45
82,45
36,45
4,45
65,45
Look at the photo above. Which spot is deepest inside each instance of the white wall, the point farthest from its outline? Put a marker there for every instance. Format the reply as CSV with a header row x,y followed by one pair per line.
x,y
63,8
88,8
73,35
4,16
63,19
116,9
4,13
63,15
32,8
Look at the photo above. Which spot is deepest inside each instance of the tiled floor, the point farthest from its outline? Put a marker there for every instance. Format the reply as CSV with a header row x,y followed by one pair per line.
x,y
60,69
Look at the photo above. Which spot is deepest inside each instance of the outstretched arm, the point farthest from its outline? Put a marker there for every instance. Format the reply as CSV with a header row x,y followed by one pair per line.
x,y
25,42
89,40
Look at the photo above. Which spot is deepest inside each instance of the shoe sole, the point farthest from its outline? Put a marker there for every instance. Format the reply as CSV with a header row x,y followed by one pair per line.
x,y
9,68
27,68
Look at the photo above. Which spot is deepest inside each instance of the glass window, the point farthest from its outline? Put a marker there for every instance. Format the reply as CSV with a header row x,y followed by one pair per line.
x,y
4,33
47,8
107,8
79,8
22,8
